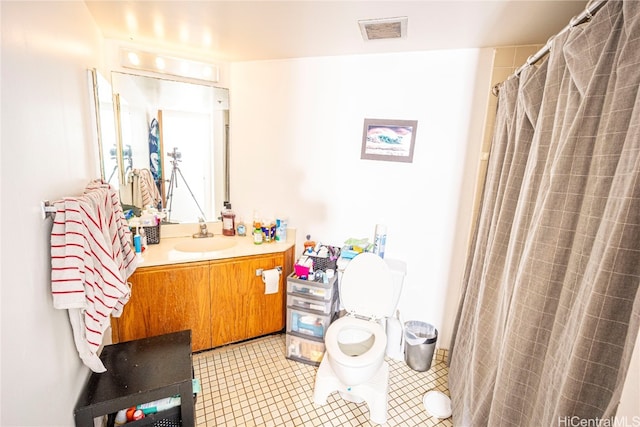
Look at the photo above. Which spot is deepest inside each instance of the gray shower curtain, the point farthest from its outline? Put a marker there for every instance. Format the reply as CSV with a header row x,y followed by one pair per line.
x,y
551,307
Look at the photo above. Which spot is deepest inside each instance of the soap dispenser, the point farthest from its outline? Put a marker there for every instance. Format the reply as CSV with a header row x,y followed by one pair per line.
x,y
228,220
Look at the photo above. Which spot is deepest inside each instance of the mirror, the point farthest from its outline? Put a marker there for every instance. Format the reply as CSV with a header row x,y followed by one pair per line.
x,y
176,133
106,131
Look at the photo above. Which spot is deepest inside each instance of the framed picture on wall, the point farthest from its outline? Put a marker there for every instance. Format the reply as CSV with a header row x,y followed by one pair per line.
x,y
391,140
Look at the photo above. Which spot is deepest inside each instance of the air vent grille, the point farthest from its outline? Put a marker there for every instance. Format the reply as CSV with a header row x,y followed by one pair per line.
x,y
386,28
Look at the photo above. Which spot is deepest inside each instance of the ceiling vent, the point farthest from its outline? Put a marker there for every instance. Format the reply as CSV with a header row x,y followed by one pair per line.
x,y
385,28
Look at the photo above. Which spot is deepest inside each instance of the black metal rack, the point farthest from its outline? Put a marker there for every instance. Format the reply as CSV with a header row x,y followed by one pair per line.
x,y
141,371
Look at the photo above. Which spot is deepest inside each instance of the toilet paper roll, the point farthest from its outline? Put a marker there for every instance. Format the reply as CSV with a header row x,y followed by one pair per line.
x,y
271,279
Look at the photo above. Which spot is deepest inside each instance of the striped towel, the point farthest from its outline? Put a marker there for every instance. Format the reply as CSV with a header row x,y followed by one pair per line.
x,y
145,191
91,260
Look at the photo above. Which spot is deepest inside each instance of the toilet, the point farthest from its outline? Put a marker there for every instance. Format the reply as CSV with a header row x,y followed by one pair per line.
x,y
353,363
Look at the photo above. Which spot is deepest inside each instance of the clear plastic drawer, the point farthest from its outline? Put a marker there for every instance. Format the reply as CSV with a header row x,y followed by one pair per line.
x,y
311,289
307,323
304,350
303,303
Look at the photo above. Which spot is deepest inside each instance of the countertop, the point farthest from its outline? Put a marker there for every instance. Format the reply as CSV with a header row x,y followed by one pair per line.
x,y
165,252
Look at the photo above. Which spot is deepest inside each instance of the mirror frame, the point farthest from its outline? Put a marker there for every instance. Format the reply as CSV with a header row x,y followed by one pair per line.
x,y
93,78
119,156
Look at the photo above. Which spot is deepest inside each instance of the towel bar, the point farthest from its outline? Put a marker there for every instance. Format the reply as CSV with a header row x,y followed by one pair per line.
x,y
47,209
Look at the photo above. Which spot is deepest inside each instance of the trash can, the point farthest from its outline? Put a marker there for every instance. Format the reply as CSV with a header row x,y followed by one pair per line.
x,y
419,344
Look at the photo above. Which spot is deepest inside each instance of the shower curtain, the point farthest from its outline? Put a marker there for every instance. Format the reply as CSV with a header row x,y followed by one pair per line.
x,y
550,309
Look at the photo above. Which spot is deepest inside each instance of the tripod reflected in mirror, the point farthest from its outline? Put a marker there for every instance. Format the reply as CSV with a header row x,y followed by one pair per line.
x,y
126,157
176,157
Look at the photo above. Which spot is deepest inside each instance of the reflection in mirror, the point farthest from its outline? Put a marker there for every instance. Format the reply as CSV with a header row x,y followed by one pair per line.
x,y
105,123
174,136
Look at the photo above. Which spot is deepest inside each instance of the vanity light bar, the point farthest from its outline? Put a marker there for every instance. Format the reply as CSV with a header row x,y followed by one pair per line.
x,y
170,65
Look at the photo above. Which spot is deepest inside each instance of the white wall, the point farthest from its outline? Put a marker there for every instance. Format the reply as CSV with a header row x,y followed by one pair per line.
x,y
296,132
47,153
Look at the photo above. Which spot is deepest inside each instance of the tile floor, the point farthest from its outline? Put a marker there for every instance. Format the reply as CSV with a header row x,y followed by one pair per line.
x,y
253,384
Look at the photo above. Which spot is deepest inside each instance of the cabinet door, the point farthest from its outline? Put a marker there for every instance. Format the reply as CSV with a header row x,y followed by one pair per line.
x,y
240,308
168,299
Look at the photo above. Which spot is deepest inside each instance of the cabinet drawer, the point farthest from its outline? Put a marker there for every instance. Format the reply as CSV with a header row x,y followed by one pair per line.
x,y
308,323
304,350
304,303
311,289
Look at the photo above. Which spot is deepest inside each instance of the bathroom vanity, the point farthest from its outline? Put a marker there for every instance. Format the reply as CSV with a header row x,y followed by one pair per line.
x,y
219,295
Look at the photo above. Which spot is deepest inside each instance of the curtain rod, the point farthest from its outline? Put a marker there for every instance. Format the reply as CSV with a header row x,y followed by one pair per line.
x,y
592,7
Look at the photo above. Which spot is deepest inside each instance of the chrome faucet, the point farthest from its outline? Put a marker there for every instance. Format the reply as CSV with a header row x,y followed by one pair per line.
x,y
203,230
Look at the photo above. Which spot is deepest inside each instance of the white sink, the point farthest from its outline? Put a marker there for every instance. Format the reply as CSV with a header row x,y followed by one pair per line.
x,y
210,244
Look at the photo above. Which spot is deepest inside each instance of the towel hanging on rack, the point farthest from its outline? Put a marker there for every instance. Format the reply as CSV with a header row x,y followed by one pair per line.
x,y
91,260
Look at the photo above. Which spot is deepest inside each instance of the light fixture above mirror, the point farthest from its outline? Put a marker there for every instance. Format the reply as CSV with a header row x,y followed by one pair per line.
x,y
169,65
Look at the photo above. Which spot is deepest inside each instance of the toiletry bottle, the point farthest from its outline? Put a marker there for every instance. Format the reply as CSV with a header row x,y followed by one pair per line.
x,y
257,235
121,418
228,220
143,238
257,223
309,244
281,230
380,240
137,243
241,228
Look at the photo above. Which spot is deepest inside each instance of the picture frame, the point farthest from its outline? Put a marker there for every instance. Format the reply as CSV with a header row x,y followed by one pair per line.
x,y
389,140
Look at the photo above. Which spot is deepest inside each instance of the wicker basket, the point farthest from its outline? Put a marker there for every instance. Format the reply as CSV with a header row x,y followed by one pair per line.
x,y
326,263
152,233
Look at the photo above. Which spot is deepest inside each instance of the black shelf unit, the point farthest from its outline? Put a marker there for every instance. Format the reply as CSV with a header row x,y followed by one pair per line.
x,y
141,371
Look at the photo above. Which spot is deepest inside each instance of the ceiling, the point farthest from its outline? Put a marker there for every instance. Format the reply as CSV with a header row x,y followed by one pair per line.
x,y
239,30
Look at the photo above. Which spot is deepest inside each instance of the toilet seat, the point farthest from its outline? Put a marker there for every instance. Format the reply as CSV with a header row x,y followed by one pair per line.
x,y
366,287
370,356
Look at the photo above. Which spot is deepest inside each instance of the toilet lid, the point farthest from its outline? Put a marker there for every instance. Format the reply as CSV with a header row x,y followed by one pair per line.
x,y
366,288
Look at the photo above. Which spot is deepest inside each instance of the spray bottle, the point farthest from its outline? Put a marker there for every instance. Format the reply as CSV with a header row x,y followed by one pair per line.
x,y
380,240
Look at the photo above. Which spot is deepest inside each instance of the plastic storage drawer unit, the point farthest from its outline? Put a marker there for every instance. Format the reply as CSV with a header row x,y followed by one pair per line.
x,y
311,307
304,350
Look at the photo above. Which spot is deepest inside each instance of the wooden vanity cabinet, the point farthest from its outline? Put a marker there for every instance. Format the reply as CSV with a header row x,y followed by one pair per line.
x,y
240,307
165,299
221,301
